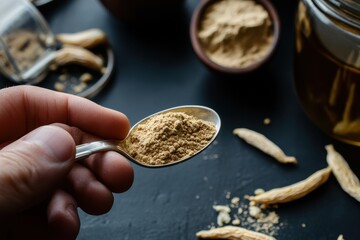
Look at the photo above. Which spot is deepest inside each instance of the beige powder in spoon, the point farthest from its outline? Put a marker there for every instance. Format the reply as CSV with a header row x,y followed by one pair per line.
x,y
169,137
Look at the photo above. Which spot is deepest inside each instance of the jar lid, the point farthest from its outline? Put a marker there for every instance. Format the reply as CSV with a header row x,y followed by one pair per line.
x,y
345,11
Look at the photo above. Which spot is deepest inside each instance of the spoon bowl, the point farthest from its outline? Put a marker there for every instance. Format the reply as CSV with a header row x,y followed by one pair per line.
x,y
199,112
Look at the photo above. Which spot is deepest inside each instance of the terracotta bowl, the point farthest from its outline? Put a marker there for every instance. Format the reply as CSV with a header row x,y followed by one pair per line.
x,y
201,54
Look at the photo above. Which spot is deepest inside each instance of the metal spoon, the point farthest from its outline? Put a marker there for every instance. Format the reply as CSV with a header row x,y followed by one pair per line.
x,y
200,112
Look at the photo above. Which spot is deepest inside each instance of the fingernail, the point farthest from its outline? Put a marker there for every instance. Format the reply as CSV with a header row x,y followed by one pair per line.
x,y
55,141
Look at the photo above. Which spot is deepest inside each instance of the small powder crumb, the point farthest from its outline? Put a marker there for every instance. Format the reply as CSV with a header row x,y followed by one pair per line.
x,y
235,201
63,77
259,191
223,214
222,208
236,222
228,195
267,121
79,87
86,77
254,211
58,86
252,203
340,237
303,225
211,157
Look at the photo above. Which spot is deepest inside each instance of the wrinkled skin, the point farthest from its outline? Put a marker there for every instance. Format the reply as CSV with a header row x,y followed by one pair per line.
x,y
41,186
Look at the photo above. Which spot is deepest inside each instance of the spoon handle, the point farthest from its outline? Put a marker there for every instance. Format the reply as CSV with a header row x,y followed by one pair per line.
x,y
85,150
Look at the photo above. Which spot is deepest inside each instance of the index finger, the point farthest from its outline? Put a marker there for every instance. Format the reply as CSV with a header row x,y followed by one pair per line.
x,y
24,108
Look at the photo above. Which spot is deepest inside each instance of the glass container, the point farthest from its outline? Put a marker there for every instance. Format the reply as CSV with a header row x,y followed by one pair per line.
x,y
327,65
26,42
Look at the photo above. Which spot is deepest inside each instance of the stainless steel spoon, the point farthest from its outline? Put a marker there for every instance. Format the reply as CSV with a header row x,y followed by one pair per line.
x,y
200,112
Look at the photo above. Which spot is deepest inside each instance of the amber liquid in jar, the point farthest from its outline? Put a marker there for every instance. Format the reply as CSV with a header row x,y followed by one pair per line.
x,y
327,87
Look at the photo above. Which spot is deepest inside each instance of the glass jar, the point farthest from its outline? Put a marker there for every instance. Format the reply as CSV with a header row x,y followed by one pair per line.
x,y
26,42
327,65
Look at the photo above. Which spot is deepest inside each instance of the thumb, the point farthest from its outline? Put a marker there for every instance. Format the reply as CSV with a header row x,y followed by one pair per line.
x,y
33,166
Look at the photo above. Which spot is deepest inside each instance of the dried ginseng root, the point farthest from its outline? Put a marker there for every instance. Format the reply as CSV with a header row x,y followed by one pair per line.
x,y
79,56
86,39
264,144
293,191
348,181
232,233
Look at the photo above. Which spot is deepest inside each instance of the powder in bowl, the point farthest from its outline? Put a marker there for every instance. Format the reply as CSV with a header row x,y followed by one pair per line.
x,y
236,33
168,138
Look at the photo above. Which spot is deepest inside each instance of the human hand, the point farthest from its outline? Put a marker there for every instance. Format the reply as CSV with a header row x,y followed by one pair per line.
x,y
40,184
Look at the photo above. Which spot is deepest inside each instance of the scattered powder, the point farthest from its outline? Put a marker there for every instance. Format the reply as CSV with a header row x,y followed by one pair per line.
x,y
80,87
253,217
211,157
340,237
235,201
259,191
236,221
69,83
58,86
169,137
228,195
236,33
254,211
63,77
209,153
223,214
267,121
86,77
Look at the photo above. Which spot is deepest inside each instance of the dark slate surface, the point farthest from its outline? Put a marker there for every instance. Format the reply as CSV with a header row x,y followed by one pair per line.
x,y
156,69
